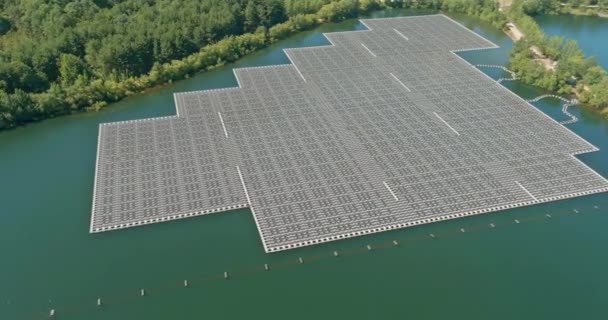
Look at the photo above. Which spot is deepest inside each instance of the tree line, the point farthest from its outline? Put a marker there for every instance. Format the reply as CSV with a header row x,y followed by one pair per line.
x,y
62,56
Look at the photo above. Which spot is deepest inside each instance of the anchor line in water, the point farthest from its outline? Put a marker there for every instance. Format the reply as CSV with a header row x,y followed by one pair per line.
x,y
567,103
494,66
122,298
573,118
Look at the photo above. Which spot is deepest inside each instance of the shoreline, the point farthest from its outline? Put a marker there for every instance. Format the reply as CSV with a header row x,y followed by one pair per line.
x,y
539,57
584,10
190,65
513,32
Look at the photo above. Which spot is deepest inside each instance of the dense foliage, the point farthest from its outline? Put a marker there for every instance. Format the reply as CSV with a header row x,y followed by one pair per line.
x,y
573,72
63,56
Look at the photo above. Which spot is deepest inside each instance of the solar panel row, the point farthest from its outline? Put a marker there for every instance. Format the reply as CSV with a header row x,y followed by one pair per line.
x,y
385,128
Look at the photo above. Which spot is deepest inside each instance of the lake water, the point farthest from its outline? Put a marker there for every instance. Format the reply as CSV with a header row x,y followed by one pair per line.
x,y
542,268
589,32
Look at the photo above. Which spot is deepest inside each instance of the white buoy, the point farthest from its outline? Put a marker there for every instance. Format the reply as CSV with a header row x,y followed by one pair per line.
x,y
395,242
432,235
516,221
548,215
596,207
462,230
575,211
369,248
142,292
226,275
52,313
492,225
99,302
266,267
300,260
335,253
185,283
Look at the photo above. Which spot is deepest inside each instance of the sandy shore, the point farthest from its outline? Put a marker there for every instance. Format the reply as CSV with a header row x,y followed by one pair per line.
x,y
513,32
539,57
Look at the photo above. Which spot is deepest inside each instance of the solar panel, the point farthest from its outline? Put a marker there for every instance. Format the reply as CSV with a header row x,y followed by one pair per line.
x,y
383,129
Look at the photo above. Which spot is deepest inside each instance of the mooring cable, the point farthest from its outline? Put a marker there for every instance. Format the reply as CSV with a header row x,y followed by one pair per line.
x,y
122,298
494,66
567,103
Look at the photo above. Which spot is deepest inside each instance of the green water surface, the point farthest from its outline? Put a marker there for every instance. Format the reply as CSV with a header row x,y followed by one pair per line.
x,y
542,268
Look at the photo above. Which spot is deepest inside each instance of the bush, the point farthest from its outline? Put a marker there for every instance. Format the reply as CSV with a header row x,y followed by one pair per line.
x,y
337,11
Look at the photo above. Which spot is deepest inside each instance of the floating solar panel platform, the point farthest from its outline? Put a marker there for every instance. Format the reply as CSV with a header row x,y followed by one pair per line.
x,y
383,129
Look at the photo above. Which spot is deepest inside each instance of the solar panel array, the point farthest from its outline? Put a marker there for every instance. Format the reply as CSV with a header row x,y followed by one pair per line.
x,y
385,128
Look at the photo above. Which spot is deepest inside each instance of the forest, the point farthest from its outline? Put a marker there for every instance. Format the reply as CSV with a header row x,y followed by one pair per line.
x,y
63,56
60,56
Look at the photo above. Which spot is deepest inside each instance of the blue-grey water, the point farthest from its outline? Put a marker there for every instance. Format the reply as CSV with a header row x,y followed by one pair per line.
x,y
543,268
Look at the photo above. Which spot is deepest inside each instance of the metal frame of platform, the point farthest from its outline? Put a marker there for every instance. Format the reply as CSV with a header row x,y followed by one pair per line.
x,y
382,129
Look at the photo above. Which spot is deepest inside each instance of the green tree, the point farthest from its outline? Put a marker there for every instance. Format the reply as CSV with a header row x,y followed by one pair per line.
x,y
251,17
17,75
594,75
532,7
270,12
367,5
21,107
294,7
340,10
71,68
6,116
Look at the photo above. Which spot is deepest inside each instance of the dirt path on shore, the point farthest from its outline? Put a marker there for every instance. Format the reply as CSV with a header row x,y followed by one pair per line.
x,y
513,32
539,57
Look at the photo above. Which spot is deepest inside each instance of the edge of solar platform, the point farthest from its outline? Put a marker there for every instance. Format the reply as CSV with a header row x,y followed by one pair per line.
x,y
95,177
471,31
493,45
287,50
593,148
433,220
278,248
165,218
137,120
